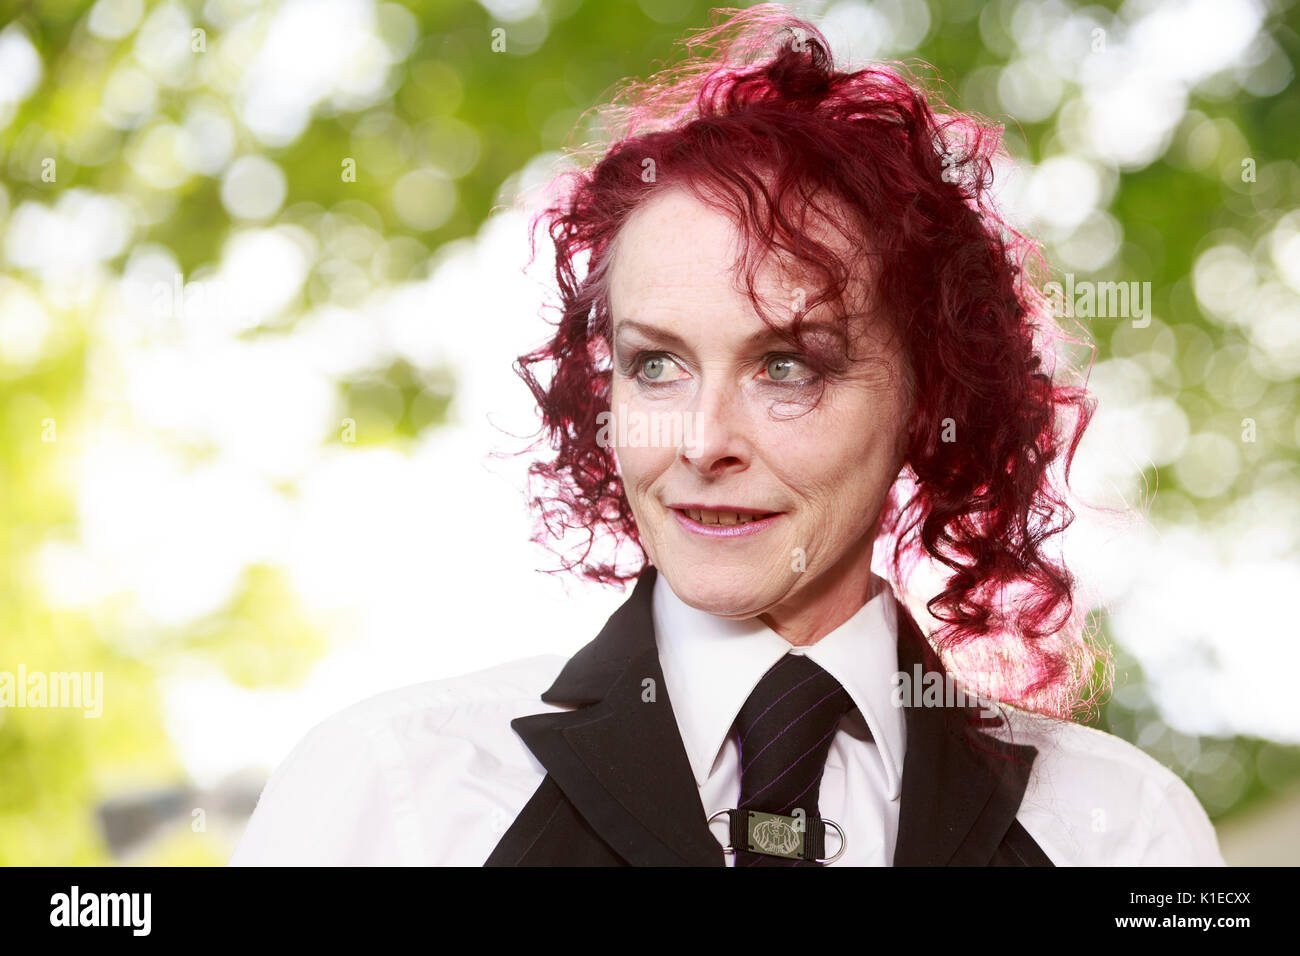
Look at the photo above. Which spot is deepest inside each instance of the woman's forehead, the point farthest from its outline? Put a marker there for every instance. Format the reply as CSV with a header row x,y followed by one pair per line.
x,y
672,242
675,253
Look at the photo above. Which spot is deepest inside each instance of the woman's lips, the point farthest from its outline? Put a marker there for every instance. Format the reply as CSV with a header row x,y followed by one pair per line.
x,y
724,530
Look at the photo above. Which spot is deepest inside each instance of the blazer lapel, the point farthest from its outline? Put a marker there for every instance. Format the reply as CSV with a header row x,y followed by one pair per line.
x,y
620,759
961,788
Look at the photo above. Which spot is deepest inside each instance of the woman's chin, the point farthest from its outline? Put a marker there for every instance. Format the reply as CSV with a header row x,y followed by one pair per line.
x,y
736,593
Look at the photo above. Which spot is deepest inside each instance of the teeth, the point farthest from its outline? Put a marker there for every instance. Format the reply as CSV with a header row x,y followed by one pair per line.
x,y
720,517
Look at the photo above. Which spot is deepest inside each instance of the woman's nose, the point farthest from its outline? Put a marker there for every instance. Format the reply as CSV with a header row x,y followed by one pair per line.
x,y
715,434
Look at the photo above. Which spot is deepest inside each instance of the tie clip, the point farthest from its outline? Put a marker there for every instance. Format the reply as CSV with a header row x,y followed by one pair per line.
x,y
775,834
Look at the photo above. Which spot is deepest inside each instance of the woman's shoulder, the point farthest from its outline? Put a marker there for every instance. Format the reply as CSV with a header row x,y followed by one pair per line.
x,y
1058,740
1099,800
502,687
406,775
478,703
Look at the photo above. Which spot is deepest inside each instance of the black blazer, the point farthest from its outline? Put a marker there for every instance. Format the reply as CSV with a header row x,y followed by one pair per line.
x,y
619,790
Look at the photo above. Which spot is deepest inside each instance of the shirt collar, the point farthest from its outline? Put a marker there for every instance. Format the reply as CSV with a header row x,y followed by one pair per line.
x,y
711,664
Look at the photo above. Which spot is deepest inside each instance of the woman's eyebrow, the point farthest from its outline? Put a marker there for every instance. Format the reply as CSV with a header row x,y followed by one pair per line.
x,y
762,337
649,331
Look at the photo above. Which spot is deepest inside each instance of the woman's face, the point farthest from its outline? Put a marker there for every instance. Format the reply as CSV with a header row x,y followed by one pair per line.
x,y
708,412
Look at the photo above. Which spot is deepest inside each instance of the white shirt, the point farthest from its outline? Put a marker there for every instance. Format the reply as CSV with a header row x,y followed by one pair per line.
x,y
712,664
433,774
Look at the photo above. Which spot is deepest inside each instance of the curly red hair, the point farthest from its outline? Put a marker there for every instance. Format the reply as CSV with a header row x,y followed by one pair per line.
x,y
755,135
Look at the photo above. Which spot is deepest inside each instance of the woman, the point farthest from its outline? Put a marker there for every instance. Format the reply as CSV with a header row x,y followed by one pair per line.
x,y
803,340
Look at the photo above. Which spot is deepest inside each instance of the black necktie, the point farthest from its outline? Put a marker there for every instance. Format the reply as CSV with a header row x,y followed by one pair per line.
x,y
785,731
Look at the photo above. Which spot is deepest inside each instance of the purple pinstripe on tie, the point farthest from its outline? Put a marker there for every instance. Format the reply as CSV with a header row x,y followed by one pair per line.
x,y
785,730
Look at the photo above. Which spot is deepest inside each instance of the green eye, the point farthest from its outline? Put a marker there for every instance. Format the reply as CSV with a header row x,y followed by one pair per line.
x,y
779,367
653,367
